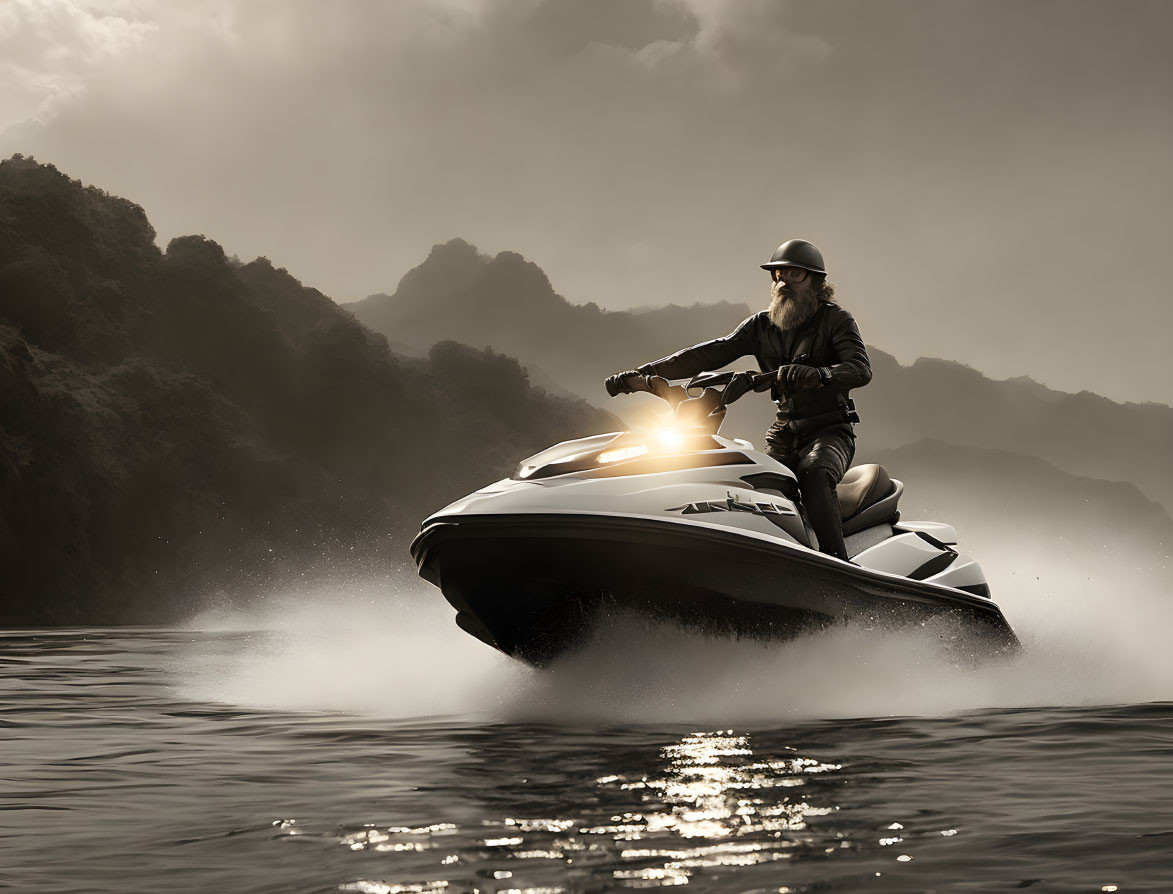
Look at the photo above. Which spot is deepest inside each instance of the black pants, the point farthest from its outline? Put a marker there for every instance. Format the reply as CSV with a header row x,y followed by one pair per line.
x,y
819,459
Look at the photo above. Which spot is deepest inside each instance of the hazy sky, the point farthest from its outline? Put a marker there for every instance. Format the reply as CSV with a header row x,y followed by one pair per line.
x,y
990,181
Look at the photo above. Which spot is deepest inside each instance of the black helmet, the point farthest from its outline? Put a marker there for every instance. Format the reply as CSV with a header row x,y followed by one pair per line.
x,y
797,253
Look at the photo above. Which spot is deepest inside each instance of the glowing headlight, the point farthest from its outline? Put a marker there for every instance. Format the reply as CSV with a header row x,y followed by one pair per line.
x,y
671,439
614,456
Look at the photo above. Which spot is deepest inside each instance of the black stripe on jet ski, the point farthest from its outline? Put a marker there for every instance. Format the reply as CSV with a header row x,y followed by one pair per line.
x,y
935,565
977,590
774,481
939,544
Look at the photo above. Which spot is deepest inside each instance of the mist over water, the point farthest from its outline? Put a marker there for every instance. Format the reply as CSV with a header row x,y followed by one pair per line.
x,y
390,649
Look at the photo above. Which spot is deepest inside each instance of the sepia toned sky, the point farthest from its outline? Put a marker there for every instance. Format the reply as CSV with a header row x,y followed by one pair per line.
x,y
991,181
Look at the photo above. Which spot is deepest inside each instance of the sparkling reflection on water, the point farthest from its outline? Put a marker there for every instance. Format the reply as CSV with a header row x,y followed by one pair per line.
x,y
113,781
712,804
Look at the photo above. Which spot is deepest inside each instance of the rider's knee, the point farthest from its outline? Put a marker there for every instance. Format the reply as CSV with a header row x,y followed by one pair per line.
x,y
813,473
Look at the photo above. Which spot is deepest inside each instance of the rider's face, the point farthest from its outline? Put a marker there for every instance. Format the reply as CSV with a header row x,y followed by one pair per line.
x,y
790,275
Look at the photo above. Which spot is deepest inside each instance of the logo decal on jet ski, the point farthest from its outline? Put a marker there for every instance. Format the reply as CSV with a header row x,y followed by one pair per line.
x,y
772,511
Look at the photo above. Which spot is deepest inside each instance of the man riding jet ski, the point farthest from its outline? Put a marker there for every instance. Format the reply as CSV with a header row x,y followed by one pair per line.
x,y
818,353
689,526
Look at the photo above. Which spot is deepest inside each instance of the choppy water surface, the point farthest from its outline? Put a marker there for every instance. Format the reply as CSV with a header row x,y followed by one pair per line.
x,y
389,753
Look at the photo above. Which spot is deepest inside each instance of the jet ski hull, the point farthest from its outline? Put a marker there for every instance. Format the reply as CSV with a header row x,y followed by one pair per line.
x,y
533,585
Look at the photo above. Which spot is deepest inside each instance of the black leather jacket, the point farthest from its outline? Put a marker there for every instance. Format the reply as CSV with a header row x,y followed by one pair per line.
x,y
836,348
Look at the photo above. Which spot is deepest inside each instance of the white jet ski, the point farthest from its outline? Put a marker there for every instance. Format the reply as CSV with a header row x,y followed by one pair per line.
x,y
689,526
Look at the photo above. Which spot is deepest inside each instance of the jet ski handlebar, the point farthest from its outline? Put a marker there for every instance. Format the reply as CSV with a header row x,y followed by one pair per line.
x,y
735,384
703,399
730,385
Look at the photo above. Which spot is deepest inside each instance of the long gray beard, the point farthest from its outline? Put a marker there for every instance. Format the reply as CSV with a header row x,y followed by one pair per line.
x,y
790,312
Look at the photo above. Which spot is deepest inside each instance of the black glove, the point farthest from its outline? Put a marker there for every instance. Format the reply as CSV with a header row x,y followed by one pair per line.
x,y
624,382
796,377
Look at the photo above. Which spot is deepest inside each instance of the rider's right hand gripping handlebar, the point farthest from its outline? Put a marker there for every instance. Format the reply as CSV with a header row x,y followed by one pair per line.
x,y
625,383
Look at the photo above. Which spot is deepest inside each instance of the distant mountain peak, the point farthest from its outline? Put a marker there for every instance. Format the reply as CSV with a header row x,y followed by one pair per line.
x,y
931,362
450,265
455,251
457,277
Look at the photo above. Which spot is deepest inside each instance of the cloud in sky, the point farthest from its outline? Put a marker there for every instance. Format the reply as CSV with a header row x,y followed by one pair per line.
x,y
50,49
989,179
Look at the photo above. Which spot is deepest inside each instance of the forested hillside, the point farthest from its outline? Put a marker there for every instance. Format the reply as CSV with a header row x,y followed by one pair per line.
x,y
175,423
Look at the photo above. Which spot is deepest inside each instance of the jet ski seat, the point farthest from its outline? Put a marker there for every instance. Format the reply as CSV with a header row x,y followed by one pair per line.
x,y
868,496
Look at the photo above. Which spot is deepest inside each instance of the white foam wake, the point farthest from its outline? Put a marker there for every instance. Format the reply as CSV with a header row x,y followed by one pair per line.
x,y
1091,636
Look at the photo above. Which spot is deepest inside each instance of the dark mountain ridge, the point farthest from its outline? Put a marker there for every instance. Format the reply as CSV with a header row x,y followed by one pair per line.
x,y
174,423
1085,434
1002,493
